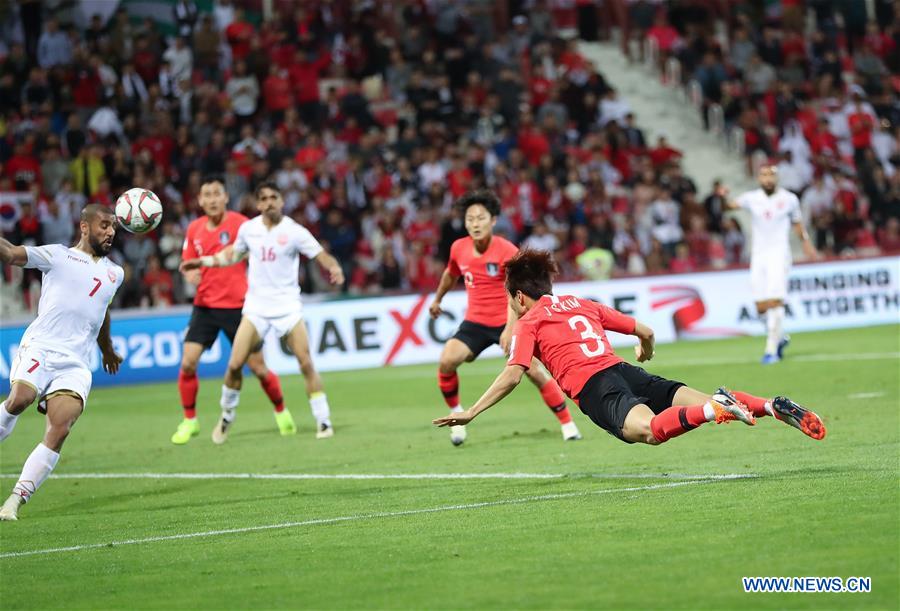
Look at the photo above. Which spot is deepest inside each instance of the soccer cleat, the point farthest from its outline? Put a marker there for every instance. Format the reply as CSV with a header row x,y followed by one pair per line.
x,y
784,343
570,431
769,359
10,510
189,427
220,433
458,434
285,422
798,417
727,408
324,431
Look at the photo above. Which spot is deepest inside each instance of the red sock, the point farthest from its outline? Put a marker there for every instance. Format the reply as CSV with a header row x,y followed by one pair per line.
x,y
449,385
556,401
272,386
187,387
756,404
676,421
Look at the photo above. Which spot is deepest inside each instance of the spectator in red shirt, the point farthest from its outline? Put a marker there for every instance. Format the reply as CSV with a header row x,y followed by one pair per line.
x,y
310,155
662,153
146,63
304,75
861,127
665,36
158,283
23,168
682,263
238,35
276,91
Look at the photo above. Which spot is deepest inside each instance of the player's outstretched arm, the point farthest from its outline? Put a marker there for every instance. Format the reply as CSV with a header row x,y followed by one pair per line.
x,y
225,257
645,350
111,360
447,282
331,265
12,254
508,379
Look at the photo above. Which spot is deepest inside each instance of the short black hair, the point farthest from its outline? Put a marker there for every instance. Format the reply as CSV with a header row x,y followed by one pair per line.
x,y
483,197
92,211
209,178
531,271
266,184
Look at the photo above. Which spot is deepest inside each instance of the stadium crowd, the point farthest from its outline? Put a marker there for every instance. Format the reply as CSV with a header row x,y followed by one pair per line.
x,y
815,88
374,117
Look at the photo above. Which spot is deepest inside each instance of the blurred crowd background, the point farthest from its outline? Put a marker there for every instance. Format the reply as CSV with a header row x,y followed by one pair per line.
x,y
373,117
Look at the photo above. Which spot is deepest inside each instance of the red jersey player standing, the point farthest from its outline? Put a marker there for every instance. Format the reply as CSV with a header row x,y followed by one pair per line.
x,y
568,335
217,307
480,259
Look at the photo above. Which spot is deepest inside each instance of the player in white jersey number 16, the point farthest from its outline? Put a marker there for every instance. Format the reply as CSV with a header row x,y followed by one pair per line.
x,y
52,362
273,244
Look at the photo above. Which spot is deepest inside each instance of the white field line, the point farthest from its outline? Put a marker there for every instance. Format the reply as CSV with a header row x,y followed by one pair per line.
x,y
353,518
865,395
395,476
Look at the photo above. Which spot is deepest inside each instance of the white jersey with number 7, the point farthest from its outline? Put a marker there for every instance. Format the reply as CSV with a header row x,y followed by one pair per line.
x,y
273,277
75,293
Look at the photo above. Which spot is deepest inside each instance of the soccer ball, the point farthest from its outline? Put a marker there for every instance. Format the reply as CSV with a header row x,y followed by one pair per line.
x,y
138,210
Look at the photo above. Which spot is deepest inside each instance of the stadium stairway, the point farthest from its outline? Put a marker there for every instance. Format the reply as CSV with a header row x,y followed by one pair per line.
x,y
659,108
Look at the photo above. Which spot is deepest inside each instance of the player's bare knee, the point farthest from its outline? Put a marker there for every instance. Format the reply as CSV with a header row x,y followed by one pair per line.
x,y
188,368
19,399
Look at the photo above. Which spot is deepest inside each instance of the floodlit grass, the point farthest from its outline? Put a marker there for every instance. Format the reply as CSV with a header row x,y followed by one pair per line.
x,y
621,526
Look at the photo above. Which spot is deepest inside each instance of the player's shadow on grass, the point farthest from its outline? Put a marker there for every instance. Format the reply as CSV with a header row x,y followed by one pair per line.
x,y
538,434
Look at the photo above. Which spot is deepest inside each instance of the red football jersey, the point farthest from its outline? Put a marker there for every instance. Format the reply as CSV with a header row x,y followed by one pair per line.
x,y
220,287
568,335
484,275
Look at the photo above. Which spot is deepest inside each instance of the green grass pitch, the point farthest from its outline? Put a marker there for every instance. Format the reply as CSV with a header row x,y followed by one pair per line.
x,y
621,528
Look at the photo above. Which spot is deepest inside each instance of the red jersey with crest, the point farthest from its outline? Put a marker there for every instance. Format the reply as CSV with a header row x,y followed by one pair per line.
x,y
568,335
484,275
220,287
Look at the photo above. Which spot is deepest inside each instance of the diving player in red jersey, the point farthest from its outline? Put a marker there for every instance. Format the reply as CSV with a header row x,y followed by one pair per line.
x,y
568,335
217,306
480,260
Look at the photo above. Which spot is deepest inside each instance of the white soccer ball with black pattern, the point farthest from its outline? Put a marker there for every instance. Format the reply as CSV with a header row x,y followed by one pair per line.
x,y
139,210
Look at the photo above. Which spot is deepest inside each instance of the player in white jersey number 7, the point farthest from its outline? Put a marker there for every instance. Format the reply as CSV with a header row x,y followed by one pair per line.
x,y
273,244
52,364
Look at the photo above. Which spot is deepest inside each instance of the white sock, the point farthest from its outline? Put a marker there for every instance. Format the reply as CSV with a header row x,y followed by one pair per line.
x,y
769,409
37,468
318,404
774,323
708,412
229,402
7,422
457,409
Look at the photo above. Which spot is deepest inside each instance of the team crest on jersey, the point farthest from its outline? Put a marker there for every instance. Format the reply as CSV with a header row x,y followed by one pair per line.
x,y
493,269
282,239
112,275
224,238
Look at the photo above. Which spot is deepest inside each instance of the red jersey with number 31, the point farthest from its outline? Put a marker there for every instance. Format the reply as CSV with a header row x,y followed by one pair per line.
x,y
220,287
568,335
484,276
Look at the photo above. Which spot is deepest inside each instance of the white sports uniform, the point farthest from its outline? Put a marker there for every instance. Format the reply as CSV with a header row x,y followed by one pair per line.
x,y
56,349
273,284
770,255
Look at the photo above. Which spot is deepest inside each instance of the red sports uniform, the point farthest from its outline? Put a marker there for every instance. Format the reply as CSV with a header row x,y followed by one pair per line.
x,y
484,275
568,335
220,287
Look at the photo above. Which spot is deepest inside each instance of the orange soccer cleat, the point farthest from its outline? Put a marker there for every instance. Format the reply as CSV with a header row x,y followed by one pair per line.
x,y
798,417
